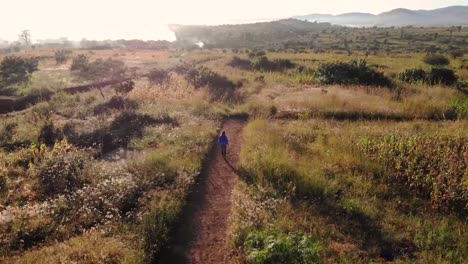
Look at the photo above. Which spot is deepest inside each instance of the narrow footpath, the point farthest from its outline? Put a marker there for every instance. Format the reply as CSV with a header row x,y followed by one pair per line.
x,y
201,236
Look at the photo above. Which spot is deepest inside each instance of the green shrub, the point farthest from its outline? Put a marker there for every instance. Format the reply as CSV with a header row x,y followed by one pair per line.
x,y
266,246
441,76
353,72
413,76
436,60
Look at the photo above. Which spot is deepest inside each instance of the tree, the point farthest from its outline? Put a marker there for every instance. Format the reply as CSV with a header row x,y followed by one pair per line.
x,y
25,37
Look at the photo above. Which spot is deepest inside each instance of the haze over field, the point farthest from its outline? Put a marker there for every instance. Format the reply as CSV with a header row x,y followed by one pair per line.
x,y
145,19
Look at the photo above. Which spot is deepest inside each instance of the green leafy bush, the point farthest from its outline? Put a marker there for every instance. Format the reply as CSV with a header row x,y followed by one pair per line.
x,y
436,60
353,72
267,246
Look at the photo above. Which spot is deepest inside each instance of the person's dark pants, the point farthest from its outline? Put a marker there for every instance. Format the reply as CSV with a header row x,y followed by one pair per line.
x,y
224,150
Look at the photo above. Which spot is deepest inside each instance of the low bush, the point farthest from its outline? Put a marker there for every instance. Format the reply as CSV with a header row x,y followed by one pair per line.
x,y
264,64
48,134
462,86
115,103
261,63
457,54
124,88
268,247
62,56
7,132
158,76
126,126
79,63
436,60
435,76
459,107
254,53
441,76
15,70
413,76
353,72
237,62
156,228
99,69
219,87
61,174
111,199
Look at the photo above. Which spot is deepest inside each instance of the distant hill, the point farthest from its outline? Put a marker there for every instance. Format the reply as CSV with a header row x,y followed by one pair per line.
x,y
448,16
248,35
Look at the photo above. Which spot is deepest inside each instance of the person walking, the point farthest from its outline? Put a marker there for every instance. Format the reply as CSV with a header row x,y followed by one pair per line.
x,y
223,142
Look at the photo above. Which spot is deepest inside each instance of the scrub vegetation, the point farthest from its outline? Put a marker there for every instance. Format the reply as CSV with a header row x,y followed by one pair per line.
x,y
354,152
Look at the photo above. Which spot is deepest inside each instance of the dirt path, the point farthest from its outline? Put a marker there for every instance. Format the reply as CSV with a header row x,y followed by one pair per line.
x,y
201,237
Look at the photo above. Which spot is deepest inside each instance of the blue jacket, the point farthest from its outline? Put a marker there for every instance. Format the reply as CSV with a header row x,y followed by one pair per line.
x,y
223,140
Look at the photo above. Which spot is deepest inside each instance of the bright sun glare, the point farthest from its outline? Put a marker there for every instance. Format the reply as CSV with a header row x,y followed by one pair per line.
x,y
146,19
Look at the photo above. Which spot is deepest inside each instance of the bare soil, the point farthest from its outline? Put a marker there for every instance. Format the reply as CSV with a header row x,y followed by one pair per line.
x,y
201,236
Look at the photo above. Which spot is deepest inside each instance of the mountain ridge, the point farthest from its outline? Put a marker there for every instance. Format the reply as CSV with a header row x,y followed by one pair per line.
x,y
446,16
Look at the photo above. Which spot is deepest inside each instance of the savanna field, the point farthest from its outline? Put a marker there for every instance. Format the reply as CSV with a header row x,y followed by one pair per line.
x,y
346,158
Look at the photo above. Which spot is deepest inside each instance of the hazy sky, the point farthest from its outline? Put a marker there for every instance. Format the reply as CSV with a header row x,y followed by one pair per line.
x,y
147,19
